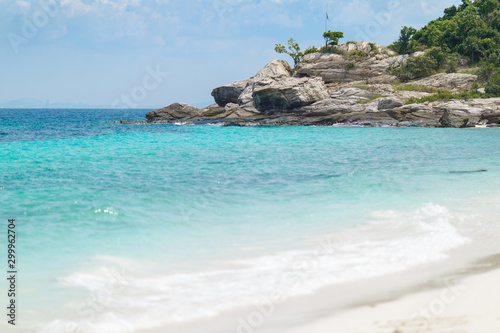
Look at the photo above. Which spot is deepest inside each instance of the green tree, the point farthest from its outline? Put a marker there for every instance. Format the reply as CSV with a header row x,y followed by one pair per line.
x,y
439,55
415,68
493,85
332,37
293,50
404,44
450,12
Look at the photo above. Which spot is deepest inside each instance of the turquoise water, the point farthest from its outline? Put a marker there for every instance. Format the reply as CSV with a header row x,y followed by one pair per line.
x,y
220,212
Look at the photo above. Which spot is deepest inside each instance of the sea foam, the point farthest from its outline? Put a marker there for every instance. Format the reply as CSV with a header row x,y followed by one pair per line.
x,y
128,301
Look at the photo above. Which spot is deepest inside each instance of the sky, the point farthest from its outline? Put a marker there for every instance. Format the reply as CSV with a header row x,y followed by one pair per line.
x,y
150,53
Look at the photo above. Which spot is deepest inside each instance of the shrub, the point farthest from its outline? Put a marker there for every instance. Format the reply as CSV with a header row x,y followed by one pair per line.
x,y
312,49
356,54
443,95
331,50
408,87
439,55
493,85
451,66
415,68
365,101
485,72
374,48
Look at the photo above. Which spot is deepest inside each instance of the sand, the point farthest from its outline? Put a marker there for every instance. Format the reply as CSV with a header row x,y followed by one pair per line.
x,y
464,304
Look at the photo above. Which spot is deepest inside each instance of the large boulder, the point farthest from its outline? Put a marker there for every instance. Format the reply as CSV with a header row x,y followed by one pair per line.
x,y
235,111
173,112
229,93
212,110
454,118
285,93
491,118
416,115
447,80
460,114
389,103
275,68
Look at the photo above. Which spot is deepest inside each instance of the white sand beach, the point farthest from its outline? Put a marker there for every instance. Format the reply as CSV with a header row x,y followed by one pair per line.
x,y
467,305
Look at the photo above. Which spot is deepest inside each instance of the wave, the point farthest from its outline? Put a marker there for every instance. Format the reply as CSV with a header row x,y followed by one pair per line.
x,y
120,299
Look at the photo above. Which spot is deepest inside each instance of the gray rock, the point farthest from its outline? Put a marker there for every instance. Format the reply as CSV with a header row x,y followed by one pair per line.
x,y
229,93
364,47
211,111
173,112
275,68
355,92
234,111
454,118
447,80
285,93
416,115
383,79
461,113
342,68
491,117
389,103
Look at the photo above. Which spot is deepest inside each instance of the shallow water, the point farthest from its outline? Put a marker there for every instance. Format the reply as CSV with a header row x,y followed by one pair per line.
x,y
128,227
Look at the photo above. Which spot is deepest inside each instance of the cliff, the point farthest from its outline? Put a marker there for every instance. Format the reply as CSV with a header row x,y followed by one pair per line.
x,y
350,87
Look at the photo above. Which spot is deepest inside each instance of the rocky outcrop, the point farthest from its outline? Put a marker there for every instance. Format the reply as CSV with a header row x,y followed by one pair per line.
x,y
351,88
229,93
241,92
285,93
173,112
356,61
445,80
274,69
468,113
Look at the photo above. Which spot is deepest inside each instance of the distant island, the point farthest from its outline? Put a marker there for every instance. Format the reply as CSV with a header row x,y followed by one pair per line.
x,y
446,74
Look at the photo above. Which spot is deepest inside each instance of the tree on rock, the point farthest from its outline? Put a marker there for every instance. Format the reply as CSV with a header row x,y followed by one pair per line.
x,y
332,38
293,50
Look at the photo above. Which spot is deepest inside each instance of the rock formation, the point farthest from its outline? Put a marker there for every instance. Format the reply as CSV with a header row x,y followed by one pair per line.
x,y
351,86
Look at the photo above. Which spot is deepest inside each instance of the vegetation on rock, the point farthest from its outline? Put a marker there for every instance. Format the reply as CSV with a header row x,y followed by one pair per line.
x,y
293,50
470,31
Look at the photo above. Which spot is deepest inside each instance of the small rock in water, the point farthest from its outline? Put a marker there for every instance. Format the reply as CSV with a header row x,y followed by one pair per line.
x,y
473,171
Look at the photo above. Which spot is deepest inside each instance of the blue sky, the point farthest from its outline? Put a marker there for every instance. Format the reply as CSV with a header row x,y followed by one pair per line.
x,y
101,52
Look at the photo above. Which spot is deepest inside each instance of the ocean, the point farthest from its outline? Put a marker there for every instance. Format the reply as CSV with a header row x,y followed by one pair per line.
x,y
128,228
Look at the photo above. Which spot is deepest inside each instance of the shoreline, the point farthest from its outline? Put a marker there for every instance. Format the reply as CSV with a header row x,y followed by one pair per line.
x,y
361,305
436,305
461,302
